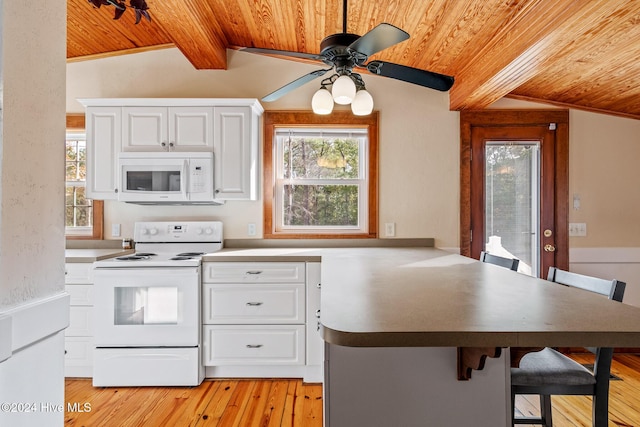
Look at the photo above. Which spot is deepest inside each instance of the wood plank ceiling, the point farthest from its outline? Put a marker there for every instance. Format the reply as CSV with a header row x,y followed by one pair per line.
x,y
575,53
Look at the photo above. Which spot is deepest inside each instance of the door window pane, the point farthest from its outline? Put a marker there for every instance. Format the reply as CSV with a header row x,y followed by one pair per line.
x,y
511,194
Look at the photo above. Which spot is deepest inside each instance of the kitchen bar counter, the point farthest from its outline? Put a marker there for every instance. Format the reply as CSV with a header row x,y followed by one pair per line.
x,y
393,319
409,297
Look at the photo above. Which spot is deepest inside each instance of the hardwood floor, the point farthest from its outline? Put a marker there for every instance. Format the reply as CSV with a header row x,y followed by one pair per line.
x,y
244,403
219,403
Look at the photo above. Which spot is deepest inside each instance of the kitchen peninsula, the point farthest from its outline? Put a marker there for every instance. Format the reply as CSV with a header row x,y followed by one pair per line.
x,y
393,318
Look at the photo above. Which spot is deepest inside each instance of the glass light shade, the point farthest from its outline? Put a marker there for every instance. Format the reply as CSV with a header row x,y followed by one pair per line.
x,y
343,90
362,104
322,102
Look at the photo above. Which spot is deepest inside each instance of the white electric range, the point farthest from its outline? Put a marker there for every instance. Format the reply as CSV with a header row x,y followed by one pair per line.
x,y
147,311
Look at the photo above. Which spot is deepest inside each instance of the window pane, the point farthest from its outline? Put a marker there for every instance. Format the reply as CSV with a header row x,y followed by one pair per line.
x,y
83,216
320,205
72,171
321,158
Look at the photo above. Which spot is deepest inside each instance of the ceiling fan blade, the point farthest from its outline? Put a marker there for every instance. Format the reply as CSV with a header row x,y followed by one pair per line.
x,y
295,84
380,37
283,53
411,75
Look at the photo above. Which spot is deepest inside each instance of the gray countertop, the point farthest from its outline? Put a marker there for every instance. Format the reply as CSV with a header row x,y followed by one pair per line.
x,y
403,297
92,255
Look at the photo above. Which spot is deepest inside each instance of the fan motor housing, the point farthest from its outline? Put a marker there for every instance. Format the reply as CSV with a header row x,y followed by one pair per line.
x,y
334,48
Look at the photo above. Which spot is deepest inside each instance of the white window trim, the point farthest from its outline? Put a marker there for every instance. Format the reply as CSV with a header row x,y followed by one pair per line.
x,y
76,231
362,183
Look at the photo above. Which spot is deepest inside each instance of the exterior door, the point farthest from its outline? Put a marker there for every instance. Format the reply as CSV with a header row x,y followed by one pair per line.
x,y
517,190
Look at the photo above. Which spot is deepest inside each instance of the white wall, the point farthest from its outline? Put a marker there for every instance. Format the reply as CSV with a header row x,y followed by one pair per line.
x,y
419,136
32,210
32,181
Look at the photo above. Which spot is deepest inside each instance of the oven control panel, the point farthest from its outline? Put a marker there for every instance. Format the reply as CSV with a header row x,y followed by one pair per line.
x,y
187,231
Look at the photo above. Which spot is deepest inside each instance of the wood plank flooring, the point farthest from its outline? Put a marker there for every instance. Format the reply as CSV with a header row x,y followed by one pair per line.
x,y
215,403
290,403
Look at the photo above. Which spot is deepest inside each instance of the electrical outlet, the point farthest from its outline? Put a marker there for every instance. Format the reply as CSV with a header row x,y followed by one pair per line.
x,y
251,229
115,230
390,229
577,229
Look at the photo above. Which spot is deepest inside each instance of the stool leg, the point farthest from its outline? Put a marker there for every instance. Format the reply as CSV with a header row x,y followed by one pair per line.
x,y
545,410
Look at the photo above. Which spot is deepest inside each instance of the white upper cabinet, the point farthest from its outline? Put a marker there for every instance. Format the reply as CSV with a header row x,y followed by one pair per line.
x,y
228,127
167,128
236,153
103,126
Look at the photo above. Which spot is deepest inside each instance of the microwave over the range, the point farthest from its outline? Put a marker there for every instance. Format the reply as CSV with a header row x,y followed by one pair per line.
x,y
166,178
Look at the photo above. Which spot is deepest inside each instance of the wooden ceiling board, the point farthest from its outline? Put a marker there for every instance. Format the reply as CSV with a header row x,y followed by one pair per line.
x,y
574,53
92,31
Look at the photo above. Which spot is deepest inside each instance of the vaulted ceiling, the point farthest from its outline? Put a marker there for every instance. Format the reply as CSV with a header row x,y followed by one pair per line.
x,y
581,54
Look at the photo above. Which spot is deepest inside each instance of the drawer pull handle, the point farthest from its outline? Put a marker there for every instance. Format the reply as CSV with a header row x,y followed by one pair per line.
x,y
254,345
254,272
254,304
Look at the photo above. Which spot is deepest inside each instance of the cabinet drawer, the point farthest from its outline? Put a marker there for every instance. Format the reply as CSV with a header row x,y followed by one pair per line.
x,y
80,294
78,273
254,272
78,351
254,345
80,322
264,303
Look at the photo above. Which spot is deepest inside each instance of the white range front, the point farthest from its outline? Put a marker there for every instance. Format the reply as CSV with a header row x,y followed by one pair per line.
x,y
147,309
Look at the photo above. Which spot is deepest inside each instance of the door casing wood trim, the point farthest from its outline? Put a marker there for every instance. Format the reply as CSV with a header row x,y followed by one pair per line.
x,y
496,118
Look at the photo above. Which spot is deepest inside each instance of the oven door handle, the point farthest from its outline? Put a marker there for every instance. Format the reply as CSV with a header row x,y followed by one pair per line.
x,y
254,304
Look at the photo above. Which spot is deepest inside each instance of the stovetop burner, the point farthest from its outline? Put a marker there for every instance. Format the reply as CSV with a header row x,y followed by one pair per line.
x,y
133,257
145,254
190,254
180,258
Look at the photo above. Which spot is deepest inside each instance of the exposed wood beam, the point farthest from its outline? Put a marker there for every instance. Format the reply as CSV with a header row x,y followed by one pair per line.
x,y
195,31
515,54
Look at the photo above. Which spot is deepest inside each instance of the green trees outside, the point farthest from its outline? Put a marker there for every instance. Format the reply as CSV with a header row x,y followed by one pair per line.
x,y
320,175
78,209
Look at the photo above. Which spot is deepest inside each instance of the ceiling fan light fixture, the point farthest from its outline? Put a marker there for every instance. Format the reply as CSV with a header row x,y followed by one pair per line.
x,y
322,101
362,104
343,90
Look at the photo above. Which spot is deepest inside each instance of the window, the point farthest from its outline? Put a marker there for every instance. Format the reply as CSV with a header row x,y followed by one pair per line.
x,y
320,175
83,216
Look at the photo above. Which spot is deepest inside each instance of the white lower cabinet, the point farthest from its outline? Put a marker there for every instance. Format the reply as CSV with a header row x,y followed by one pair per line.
x,y
256,320
254,345
78,342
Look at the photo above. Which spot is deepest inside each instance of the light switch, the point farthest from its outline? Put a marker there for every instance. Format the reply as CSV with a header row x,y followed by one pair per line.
x,y
577,229
115,230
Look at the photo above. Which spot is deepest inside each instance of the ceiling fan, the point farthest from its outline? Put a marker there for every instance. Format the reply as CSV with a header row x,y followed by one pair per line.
x,y
345,51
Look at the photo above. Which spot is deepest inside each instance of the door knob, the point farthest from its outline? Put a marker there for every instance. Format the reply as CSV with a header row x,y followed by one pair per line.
x,y
549,248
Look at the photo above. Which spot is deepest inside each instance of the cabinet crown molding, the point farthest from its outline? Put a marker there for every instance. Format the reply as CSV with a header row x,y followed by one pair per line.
x,y
172,102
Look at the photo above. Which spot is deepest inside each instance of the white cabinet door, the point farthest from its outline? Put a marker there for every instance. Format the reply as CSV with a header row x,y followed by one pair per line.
x,y
191,129
236,153
103,145
168,128
145,129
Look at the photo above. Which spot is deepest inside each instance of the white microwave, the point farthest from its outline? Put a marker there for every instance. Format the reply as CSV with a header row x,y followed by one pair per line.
x,y
166,178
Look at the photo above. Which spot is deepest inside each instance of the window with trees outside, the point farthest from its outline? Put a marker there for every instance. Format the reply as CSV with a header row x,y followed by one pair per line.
x,y
323,181
80,212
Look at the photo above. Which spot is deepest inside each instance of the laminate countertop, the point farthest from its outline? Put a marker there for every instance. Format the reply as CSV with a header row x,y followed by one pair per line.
x,y
92,255
408,297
